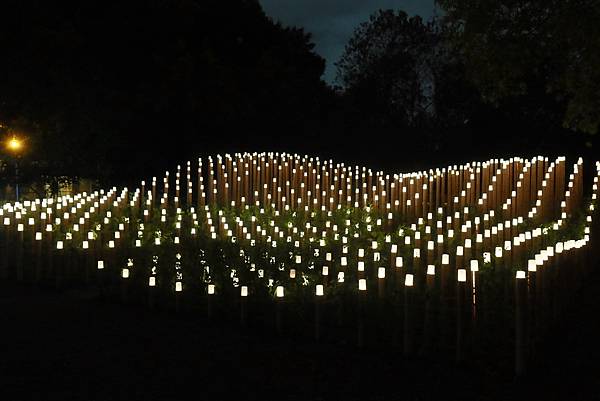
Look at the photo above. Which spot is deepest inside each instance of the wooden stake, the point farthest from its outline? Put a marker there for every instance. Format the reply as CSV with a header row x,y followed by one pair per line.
x,y
520,323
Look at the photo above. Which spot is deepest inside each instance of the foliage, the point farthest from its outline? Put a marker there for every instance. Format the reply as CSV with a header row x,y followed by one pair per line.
x,y
102,88
401,80
515,48
229,261
389,60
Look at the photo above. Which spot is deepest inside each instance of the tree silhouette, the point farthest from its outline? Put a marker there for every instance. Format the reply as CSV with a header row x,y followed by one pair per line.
x,y
402,83
124,90
515,48
388,63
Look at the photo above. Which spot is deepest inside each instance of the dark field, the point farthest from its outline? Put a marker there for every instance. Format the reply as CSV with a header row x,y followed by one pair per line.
x,y
73,345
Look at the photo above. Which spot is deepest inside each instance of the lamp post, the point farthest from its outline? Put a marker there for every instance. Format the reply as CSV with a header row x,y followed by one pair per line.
x,y
15,145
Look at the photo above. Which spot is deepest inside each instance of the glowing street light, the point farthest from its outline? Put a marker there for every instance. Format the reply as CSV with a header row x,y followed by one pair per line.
x,y
15,145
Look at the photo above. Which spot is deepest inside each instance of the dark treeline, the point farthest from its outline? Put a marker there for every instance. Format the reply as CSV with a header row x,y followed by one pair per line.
x,y
122,90
490,78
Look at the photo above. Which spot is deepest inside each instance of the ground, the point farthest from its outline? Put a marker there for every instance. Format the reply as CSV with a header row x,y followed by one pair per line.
x,y
73,346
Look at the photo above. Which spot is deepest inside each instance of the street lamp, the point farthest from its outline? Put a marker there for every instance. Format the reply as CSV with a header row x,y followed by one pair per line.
x,y
15,145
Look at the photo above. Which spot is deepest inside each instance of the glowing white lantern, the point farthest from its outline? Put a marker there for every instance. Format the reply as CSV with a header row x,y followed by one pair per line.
x,y
399,261
498,252
539,259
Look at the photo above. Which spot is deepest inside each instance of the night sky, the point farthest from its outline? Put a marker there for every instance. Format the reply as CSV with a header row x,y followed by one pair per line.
x,y
332,21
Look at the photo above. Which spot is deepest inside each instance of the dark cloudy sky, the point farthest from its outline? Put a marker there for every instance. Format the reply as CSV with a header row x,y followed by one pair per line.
x,y
332,21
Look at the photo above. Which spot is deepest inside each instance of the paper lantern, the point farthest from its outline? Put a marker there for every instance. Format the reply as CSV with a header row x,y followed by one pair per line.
x,y
319,290
445,259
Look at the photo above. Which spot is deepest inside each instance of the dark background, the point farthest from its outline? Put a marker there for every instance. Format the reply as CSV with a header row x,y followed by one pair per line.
x,y
71,345
121,91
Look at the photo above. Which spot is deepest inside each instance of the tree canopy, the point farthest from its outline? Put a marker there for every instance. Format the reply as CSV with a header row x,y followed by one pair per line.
x,y
494,69
123,90
388,61
517,47
400,79
101,86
